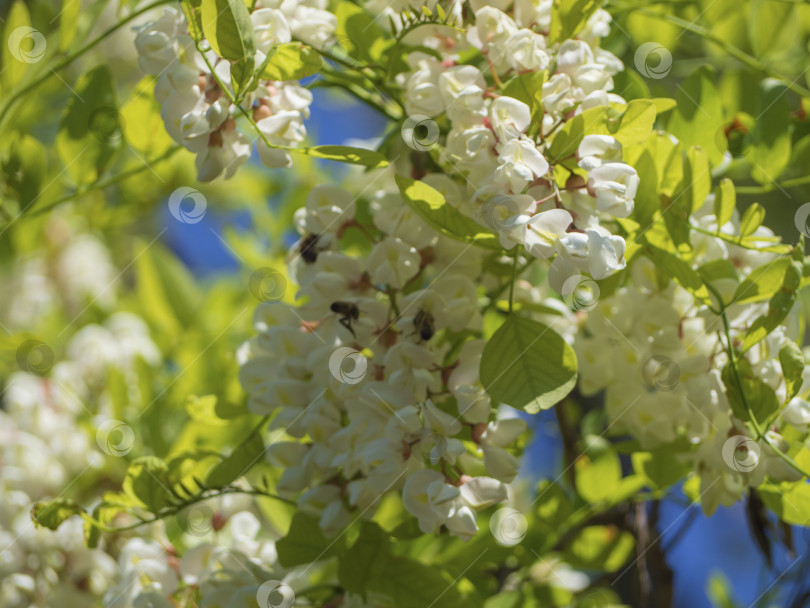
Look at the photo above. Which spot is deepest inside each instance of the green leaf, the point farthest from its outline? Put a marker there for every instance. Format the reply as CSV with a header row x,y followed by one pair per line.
x,y
647,197
605,548
528,88
68,20
228,28
719,591
154,301
193,13
365,560
769,153
762,283
142,111
24,169
412,584
51,514
772,26
663,104
242,75
182,293
304,543
345,154
598,476
790,501
23,46
553,507
210,411
430,205
292,61
752,219
630,124
359,33
679,270
90,130
662,467
716,270
528,365
778,308
147,483
237,463
697,179
568,17
699,113
725,201
792,360
760,396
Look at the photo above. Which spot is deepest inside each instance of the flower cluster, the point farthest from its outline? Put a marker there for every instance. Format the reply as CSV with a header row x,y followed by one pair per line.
x,y
43,448
197,96
372,378
498,147
660,354
224,561
398,302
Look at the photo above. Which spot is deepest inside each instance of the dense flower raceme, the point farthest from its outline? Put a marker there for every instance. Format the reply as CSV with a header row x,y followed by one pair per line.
x,y
412,416
659,354
43,448
200,116
58,431
493,147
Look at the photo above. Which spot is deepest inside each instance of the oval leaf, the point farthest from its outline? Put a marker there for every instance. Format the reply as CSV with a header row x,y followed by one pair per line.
x,y
228,28
527,365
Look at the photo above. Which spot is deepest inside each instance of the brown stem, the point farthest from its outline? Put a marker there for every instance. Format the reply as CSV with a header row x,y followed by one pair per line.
x,y
661,577
569,440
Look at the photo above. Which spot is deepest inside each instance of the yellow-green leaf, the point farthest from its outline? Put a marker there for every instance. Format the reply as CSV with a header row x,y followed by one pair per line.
x,y
528,365
228,28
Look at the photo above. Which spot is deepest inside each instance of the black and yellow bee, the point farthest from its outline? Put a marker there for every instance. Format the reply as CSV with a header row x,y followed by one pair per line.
x,y
423,324
349,312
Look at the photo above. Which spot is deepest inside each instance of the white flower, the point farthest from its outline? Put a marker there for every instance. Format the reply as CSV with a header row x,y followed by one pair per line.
x,y
471,150
526,50
155,41
226,154
510,118
595,251
797,413
328,208
422,93
462,92
270,28
500,464
592,77
557,96
393,262
416,499
492,29
483,492
596,150
572,55
544,230
520,164
312,25
615,186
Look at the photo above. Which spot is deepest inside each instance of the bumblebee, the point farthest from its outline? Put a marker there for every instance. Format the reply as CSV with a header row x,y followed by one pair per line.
x,y
349,312
423,324
308,249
